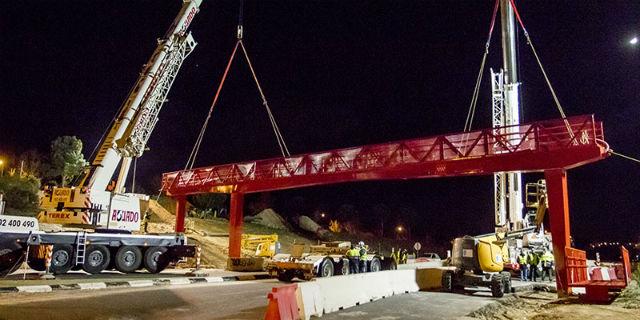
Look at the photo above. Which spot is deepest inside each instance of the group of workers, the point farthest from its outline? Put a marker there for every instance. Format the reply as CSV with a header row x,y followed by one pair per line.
x,y
531,262
399,256
358,258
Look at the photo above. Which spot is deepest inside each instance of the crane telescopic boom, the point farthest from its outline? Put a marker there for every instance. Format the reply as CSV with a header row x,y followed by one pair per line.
x,y
89,202
137,117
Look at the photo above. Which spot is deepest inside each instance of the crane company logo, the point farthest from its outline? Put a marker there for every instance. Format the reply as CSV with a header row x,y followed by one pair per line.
x,y
59,215
187,22
125,216
61,192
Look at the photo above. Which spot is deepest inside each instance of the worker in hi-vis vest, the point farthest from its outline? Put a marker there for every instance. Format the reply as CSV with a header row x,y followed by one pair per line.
x,y
354,259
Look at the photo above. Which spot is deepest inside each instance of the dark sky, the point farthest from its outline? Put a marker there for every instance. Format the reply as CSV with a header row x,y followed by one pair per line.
x,y
337,74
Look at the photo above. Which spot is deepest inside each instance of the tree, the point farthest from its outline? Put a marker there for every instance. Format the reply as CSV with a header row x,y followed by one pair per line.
x,y
67,161
31,163
20,194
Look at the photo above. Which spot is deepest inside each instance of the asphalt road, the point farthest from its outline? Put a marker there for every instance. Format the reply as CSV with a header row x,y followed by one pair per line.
x,y
417,305
231,300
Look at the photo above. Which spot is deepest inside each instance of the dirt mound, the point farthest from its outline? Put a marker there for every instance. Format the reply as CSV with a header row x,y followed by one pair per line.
x,y
160,214
269,218
546,306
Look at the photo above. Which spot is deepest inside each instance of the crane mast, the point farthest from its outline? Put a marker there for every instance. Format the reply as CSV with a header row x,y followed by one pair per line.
x,y
506,112
138,116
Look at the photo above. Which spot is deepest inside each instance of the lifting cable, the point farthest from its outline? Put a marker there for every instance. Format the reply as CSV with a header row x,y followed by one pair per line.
x,y
544,73
476,90
624,156
276,130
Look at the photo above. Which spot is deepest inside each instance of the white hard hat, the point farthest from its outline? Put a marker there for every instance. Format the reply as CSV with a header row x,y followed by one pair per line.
x,y
361,243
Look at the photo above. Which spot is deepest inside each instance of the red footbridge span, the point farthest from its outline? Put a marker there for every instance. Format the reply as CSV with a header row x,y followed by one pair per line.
x,y
551,146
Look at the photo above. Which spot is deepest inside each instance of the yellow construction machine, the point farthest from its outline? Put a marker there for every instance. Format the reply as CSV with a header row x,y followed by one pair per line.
x,y
265,245
478,262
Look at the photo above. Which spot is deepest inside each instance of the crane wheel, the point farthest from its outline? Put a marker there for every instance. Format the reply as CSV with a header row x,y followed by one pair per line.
x,y
128,259
326,268
10,262
62,258
96,259
155,259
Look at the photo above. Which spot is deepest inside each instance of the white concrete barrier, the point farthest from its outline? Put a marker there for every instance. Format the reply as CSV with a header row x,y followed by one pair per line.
x,y
325,295
310,300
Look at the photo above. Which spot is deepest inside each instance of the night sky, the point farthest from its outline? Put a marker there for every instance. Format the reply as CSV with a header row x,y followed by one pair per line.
x,y
336,74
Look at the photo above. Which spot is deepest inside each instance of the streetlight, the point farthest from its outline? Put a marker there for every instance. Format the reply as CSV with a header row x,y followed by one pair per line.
x,y
633,41
399,229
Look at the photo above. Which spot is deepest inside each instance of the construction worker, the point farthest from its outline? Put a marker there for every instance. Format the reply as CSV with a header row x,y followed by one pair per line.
x,y
524,268
404,257
363,256
533,259
353,255
547,263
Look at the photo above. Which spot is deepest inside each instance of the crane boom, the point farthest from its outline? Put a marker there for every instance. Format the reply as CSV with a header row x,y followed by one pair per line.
x,y
88,203
137,117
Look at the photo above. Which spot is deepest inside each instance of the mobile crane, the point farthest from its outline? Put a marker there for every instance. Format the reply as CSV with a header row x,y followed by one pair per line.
x,y
106,215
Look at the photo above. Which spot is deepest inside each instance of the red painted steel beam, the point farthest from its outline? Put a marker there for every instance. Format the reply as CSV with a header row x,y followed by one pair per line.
x,y
236,219
557,191
537,146
181,211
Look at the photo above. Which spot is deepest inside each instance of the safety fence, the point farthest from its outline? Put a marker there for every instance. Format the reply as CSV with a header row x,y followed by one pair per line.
x,y
598,281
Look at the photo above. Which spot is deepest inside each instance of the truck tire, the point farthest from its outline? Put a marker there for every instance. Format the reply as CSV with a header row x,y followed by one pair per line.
x,y
96,259
155,259
128,259
497,286
285,276
326,268
343,267
10,262
447,281
62,258
375,265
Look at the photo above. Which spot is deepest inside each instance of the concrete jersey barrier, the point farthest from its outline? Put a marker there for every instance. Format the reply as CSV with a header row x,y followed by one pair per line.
x,y
326,295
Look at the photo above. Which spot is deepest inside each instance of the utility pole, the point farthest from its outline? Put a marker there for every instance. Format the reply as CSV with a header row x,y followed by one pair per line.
x,y
506,112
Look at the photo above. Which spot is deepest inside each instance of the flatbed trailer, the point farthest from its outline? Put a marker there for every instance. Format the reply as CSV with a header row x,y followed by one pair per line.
x,y
324,260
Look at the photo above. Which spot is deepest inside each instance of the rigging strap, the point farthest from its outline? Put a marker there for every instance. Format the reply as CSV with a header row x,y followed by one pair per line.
x,y
276,130
476,91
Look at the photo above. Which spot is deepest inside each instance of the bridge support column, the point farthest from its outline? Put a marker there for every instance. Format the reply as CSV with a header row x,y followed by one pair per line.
x,y
181,211
557,192
236,220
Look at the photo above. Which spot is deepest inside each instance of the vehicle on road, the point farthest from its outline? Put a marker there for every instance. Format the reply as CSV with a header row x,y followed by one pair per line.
x,y
478,262
428,257
324,260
